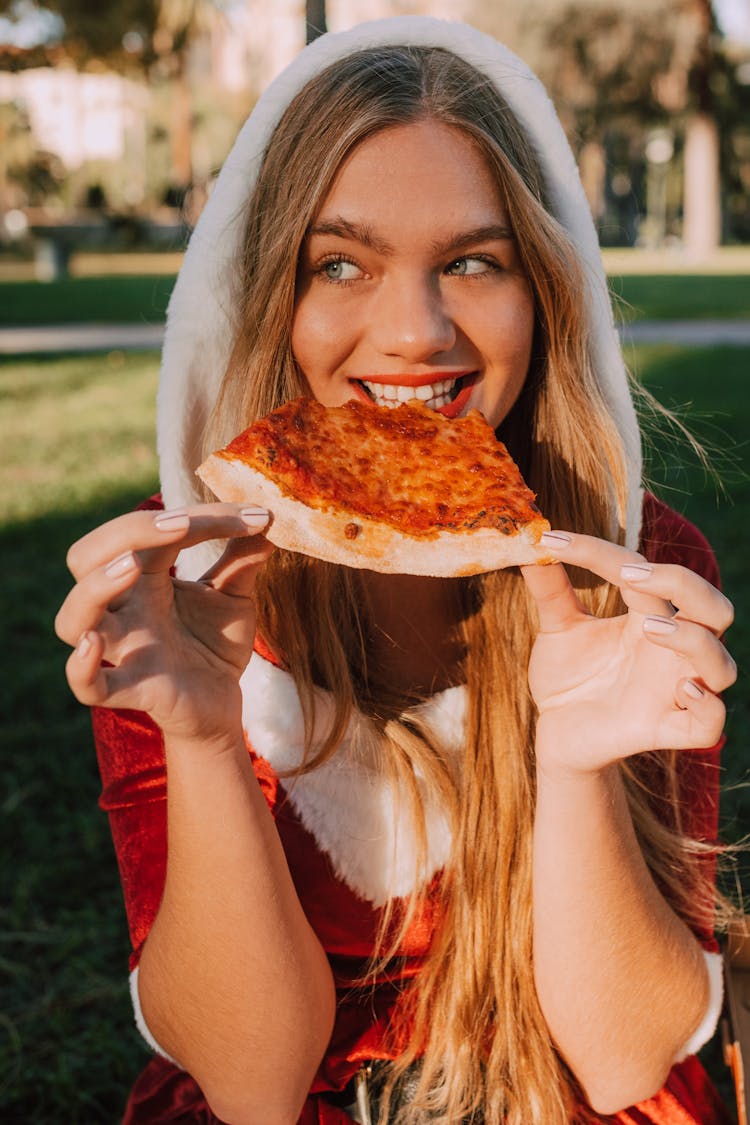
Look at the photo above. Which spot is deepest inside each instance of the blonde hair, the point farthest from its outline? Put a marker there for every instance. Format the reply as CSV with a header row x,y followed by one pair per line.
x,y
472,1017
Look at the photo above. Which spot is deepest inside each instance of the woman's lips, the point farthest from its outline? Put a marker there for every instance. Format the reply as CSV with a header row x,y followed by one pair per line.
x,y
453,409
437,391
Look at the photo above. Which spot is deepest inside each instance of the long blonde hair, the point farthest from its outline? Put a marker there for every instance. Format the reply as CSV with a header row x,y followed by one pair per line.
x,y
473,1017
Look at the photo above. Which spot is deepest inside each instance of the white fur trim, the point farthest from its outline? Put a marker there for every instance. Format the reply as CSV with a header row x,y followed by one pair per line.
x,y
708,1024
140,1022
199,328
346,804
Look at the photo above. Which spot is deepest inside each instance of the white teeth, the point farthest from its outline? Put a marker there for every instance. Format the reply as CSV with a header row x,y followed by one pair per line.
x,y
433,395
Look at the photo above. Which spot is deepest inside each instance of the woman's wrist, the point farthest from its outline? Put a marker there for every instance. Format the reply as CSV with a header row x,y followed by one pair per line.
x,y
560,758
225,744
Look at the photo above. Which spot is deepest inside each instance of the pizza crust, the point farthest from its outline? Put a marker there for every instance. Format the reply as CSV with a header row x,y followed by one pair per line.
x,y
366,544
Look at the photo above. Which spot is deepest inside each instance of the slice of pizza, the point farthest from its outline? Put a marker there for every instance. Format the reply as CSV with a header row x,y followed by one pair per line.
x,y
402,491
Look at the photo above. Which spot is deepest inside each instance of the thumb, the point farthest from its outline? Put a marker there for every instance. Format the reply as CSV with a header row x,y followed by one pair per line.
x,y
235,572
556,601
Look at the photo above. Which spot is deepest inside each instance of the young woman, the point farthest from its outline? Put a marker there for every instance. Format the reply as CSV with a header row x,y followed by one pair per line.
x,y
465,871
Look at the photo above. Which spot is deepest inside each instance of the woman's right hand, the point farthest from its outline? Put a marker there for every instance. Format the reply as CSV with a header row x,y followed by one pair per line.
x,y
150,642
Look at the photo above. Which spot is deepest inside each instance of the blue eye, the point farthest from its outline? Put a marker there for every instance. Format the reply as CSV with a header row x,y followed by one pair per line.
x,y
469,266
338,269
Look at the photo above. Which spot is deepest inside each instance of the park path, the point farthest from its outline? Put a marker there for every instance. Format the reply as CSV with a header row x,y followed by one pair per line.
x,y
142,337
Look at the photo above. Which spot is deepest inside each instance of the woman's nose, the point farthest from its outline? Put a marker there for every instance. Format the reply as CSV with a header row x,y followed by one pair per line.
x,y
411,321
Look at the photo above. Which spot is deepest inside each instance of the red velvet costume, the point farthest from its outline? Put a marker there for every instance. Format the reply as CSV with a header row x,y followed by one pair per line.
x,y
133,773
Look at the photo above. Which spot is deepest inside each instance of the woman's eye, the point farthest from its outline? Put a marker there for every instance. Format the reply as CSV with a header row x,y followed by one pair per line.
x,y
465,267
339,269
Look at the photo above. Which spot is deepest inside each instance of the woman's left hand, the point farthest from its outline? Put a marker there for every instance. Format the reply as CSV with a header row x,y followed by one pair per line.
x,y
608,688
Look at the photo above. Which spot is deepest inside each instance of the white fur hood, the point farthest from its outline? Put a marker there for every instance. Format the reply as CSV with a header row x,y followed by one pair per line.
x,y
198,334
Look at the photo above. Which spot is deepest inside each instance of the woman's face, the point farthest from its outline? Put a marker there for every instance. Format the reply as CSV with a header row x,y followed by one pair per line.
x,y
410,283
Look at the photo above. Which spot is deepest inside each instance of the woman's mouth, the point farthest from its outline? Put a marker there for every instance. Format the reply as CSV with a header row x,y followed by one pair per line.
x,y
448,396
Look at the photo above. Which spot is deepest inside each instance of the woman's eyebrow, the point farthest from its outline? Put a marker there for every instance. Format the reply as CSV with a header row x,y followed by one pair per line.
x,y
360,232
461,238
364,234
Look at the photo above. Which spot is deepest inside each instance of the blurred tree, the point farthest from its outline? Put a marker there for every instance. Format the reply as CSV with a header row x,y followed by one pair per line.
x,y
179,23
17,153
643,68
604,67
91,34
315,19
605,62
28,175
152,38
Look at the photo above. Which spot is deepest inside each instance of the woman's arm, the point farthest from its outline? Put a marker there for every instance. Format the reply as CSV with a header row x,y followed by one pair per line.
x,y
621,979
233,982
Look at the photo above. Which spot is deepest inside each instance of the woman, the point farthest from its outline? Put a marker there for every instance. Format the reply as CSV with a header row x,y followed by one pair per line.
x,y
465,844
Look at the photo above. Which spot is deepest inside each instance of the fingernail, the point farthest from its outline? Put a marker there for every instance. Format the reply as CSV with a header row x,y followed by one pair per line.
x,y
660,626
636,572
555,540
175,520
693,690
121,565
254,518
83,648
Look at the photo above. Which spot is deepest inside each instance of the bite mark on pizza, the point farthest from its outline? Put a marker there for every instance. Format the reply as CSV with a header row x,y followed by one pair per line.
x,y
402,491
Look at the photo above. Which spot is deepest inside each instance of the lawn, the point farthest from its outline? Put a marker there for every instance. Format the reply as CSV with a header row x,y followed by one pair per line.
x,y
138,299
681,296
143,298
78,449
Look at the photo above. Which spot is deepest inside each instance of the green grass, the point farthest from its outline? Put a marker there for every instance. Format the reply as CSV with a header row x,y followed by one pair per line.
x,y
78,448
143,299
74,430
116,300
682,296
707,388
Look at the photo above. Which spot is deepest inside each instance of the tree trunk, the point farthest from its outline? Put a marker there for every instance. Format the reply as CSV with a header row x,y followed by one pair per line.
x,y
315,19
592,165
701,229
181,127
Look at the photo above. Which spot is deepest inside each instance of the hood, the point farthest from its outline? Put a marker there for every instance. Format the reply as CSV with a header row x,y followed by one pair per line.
x,y
199,324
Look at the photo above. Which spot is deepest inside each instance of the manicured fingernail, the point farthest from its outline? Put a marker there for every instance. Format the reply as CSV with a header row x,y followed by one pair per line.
x,y
636,572
693,690
83,648
121,565
660,626
175,520
254,518
555,540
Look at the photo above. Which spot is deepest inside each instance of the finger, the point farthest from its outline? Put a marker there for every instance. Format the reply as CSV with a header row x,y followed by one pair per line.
x,y
235,572
694,597
697,645
605,560
86,676
128,533
91,598
699,721
556,601
159,537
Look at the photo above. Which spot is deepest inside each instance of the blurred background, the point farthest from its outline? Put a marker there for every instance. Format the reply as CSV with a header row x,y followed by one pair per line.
x,y
114,122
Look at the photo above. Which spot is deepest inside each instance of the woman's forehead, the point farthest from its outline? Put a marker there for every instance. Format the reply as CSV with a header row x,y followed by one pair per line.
x,y
426,165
